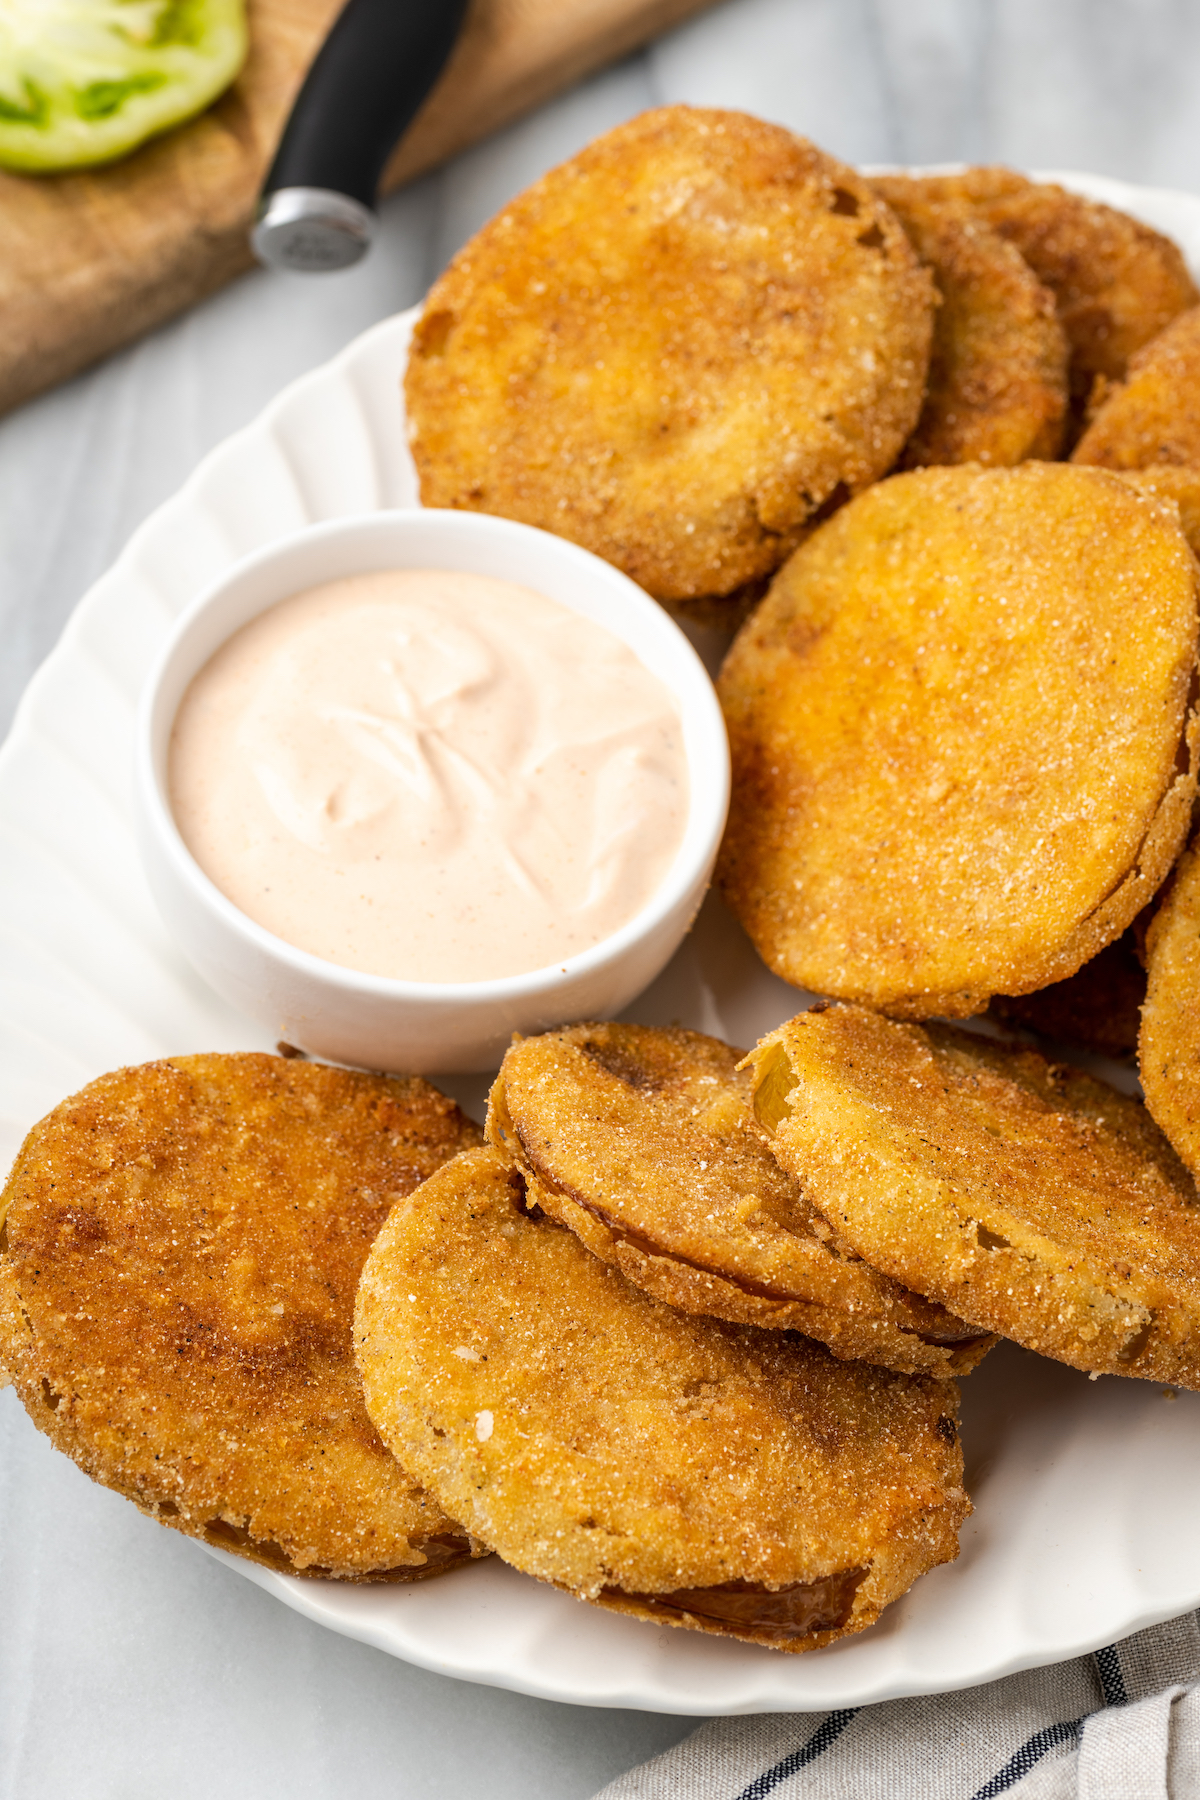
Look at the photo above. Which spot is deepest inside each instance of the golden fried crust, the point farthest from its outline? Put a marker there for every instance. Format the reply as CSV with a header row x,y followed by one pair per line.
x,y
642,1141
1116,282
1024,1195
1155,416
1169,1044
997,389
1098,1008
709,1475
182,1245
1173,485
673,349
955,724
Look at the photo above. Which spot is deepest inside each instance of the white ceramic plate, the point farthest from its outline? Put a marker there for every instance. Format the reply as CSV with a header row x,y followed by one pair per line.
x,y
1085,1493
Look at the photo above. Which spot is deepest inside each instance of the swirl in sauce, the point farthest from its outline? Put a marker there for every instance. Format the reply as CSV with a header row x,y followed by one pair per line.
x,y
430,775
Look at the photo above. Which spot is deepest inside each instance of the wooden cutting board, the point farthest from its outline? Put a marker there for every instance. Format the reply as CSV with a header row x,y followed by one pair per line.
x,y
93,260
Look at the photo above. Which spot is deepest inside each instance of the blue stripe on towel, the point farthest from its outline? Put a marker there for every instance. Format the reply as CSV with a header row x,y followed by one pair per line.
x,y
827,1733
1112,1681
1031,1752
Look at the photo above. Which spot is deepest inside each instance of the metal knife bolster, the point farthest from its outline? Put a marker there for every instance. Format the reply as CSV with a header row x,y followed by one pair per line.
x,y
369,79
311,229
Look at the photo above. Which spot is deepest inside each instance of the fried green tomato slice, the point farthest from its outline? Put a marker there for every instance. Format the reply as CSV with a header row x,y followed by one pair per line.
x,y
1169,1044
1116,282
85,81
678,1468
180,1251
643,1142
1023,1194
997,390
673,350
1154,417
963,757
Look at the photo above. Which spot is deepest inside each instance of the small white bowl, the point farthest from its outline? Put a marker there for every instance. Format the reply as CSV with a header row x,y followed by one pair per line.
x,y
374,1021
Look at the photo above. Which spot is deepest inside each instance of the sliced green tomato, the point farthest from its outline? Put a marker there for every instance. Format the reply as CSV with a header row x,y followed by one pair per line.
x,y
83,81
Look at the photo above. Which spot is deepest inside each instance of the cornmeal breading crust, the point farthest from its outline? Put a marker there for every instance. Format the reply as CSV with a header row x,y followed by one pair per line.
x,y
643,1142
1025,1195
674,349
963,751
997,390
1169,1042
679,1468
1175,485
1154,416
1115,281
181,1247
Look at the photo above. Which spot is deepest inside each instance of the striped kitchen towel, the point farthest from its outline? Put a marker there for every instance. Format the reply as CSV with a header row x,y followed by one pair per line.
x,y
1123,1724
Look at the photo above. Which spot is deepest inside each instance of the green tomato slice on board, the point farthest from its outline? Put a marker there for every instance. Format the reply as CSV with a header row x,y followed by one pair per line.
x,y
83,81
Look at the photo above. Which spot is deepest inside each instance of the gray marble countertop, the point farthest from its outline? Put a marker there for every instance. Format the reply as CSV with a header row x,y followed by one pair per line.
x,y
132,1666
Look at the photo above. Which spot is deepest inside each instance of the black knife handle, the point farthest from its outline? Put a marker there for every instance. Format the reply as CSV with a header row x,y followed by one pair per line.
x,y
365,87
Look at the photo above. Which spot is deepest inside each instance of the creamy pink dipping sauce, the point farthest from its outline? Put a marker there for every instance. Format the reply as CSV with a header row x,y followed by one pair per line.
x,y
430,775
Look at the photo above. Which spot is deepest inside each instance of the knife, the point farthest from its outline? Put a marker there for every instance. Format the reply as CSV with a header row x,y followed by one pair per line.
x,y
317,207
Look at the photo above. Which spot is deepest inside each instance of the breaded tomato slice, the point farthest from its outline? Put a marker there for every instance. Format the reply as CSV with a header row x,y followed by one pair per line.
x,y
678,1468
181,1246
1027,1196
1154,417
1116,282
963,751
674,349
998,370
